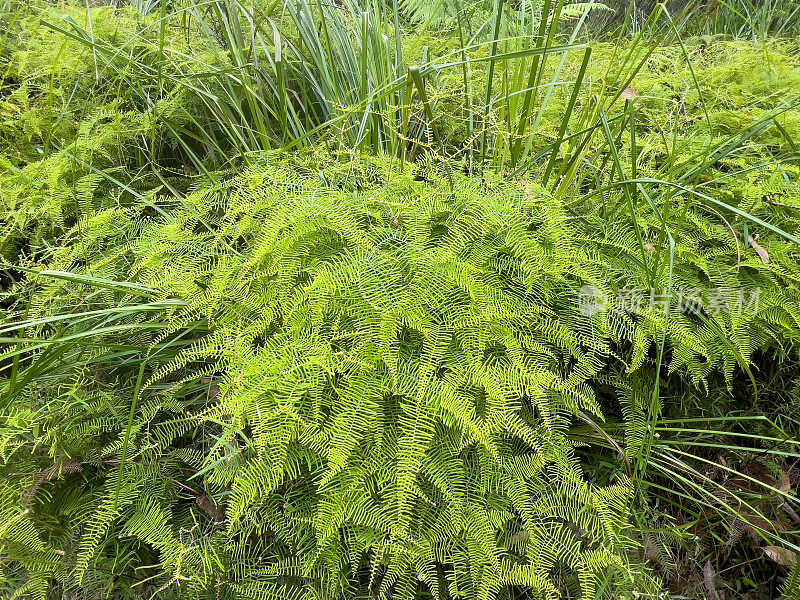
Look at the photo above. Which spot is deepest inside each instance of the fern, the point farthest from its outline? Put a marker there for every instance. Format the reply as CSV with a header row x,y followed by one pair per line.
x,y
447,13
396,372
341,375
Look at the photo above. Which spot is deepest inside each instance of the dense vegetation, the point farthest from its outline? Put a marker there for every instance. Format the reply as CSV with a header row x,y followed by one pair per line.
x,y
399,300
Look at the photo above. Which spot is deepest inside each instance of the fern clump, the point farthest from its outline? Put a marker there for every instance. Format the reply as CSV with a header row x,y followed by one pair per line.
x,y
394,375
526,320
352,379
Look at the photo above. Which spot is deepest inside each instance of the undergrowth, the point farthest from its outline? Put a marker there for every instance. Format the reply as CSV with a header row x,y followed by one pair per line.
x,y
341,301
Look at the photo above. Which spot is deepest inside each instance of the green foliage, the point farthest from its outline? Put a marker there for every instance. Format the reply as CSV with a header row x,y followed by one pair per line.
x,y
756,19
449,13
362,365
365,385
